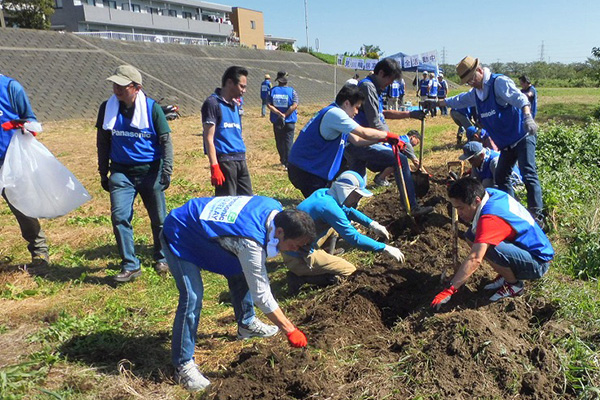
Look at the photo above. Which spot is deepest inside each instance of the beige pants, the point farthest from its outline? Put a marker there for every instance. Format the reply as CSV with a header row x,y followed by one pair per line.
x,y
319,262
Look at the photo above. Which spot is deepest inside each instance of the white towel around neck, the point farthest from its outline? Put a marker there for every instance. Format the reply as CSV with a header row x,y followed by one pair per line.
x,y
140,114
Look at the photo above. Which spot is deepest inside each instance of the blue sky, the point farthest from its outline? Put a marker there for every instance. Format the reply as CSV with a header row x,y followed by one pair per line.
x,y
501,30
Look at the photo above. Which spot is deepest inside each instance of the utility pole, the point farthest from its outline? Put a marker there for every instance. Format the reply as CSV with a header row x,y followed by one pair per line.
x,y
306,21
542,52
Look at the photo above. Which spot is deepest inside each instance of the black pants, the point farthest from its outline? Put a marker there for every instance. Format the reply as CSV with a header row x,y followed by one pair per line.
x,y
284,138
237,179
304,181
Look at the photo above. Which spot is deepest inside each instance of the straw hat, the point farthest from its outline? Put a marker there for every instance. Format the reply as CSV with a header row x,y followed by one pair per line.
x,y
466,68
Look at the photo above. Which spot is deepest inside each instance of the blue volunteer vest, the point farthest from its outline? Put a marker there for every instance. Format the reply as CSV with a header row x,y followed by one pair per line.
x,y
361,118
424,87
313,153
401,88
283,98
394,89
484,170
434,88
265,89
504,124
441,89
534,101
405,139
529,236
129,145
7,113
228,134
191,229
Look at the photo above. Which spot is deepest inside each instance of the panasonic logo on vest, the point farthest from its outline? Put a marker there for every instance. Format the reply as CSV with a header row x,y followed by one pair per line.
x,y
227,125
488,114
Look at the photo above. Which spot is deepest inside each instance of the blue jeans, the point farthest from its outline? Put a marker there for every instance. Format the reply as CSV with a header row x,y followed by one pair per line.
x,y
521,262
378,157
123,190
191,292
524,153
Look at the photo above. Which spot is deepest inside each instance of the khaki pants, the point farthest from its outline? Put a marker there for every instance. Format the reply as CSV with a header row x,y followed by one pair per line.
x,y
319,262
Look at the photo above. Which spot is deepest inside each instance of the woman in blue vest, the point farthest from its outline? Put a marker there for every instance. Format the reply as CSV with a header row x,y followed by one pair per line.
x,y
317,154
14,104
283,103
504,234
442,92
505,113
231,236
134,144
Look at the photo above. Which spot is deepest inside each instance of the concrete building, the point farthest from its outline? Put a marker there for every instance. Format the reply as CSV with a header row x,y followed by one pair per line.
x,y
249,26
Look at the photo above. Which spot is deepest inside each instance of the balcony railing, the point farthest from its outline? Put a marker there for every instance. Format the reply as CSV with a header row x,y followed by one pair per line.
x,y
139,37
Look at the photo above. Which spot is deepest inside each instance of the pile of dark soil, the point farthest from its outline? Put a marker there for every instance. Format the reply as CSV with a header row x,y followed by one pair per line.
x,y
375,336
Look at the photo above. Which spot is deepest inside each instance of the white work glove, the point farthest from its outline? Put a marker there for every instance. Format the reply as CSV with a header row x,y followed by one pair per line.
x,y
529,125
394,252
379,230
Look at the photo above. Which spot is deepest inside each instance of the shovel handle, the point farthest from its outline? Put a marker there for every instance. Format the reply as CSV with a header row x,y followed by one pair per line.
x,y
421,144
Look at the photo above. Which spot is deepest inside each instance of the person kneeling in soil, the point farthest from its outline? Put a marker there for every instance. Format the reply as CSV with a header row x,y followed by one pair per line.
x,y
502,232
333,209
230,236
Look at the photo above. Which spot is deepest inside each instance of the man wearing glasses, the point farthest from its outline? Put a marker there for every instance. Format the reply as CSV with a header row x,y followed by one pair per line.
x,y
134,145
505,113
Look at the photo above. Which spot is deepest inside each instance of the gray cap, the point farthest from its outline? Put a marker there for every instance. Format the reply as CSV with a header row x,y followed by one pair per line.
x,y
124,75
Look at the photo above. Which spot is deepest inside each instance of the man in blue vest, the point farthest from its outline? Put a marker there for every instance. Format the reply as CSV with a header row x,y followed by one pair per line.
x,y
265,91
442,92
335,209
231,236
134,145
317,154
530,92
504,234
14,104
505,113
402,92
393,95
222,132
422,89
283,103
432,91
484,162
377,157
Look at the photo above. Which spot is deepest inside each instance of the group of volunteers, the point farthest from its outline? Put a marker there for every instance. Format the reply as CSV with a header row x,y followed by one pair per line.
x,y
430,89
234,232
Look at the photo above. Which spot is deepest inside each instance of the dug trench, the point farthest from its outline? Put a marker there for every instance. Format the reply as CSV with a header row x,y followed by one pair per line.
x,y
375,337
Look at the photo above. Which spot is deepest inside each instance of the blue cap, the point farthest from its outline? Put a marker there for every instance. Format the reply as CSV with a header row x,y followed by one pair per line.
x,y
470,150
471,131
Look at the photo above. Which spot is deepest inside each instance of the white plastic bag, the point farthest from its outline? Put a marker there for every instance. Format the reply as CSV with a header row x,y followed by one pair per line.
x,y
36,183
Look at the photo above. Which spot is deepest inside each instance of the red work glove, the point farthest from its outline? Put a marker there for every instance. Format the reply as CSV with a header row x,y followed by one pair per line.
x,y
443,297
401,145
17,123
391,138
216,175
297,338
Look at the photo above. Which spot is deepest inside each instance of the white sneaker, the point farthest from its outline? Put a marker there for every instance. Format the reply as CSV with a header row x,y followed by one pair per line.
x,y
189,376
508,290
496,284
256,329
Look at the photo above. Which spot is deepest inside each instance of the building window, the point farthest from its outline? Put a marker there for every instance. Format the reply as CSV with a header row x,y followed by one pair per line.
x,y
110,4
89,2
254,46
125,6
136,8
186,14
172,13
253,24
58,4
152,10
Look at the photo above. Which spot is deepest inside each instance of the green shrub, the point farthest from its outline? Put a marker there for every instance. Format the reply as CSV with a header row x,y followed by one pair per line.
x,y
568,160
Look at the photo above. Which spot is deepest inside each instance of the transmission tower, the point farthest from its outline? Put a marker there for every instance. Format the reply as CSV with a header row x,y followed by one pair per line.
x,y
444,55
542,51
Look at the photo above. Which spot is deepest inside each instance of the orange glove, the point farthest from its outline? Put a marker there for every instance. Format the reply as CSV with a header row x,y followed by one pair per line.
x,y
216,175
297,338
391,138
443,297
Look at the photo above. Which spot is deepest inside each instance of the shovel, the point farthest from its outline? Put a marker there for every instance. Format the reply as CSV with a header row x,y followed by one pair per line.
x,y
421,179
402,188
454,264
